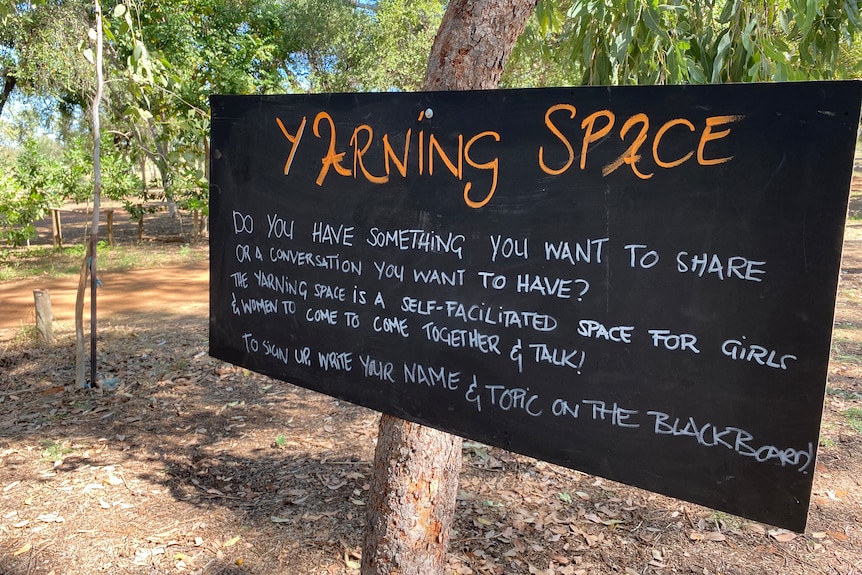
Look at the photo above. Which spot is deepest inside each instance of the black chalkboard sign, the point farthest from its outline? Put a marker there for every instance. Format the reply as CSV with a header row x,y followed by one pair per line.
x,y
635,282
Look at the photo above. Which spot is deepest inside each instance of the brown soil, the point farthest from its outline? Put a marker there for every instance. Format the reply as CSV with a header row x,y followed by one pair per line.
x,y
196,466
166,291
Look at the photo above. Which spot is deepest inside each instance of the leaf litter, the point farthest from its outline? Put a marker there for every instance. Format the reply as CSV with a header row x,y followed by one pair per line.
x,y
178,471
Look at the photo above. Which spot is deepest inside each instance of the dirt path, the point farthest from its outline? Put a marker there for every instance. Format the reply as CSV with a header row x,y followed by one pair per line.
x,y
162,291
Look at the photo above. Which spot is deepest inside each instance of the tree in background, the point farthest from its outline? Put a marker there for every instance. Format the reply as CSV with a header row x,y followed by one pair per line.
x,y
163,59
616,42
40,49
400,34
31,183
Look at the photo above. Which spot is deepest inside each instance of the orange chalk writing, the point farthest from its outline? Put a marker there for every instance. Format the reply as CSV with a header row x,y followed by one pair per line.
x,y
556,131
657,141
597,126
358,153
708,135
591,136
474,161
493,165
293,139
631,156
389,154
378,158
332,158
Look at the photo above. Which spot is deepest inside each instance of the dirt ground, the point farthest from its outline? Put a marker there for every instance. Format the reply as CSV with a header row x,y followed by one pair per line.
x,y
195,466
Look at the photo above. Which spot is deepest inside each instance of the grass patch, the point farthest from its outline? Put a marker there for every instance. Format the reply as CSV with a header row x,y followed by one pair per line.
x,y
843,393
53,451
846,352
27,334
42,261
854,418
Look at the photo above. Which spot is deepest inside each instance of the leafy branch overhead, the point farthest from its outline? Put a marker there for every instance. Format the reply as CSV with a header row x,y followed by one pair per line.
x,y
164,59
688,41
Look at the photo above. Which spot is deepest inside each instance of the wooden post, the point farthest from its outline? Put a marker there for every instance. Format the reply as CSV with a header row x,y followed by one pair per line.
x,y
110,214
56,228
44,315
141,223
196,225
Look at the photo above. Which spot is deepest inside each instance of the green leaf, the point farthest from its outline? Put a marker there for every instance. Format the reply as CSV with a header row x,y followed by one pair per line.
x,y
754,71
747,36
731,7
852,11
695,71
119,10
88,54
808,14
653,22
784,22
720,56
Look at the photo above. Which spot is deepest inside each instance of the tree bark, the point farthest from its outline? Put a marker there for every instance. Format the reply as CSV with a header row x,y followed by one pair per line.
x,y
80,346
416,469
9,82
475,39
90,263
412,499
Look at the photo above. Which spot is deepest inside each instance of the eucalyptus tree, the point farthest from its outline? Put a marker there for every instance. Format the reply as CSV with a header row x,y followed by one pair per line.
x,y
39,53
399,38
687,41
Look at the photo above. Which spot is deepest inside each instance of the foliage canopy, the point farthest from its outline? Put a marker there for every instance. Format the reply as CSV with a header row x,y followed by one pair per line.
x,y
164,59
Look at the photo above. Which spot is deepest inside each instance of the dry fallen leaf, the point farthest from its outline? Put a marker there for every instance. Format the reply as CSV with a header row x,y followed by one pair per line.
x,y
539,571
114,480
755,528
24,549
350,562
782,535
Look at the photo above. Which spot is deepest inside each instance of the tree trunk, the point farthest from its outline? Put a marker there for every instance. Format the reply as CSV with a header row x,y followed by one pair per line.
x,y
412,499
91,261
56,228
80,347
9,82
416,469
475,39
